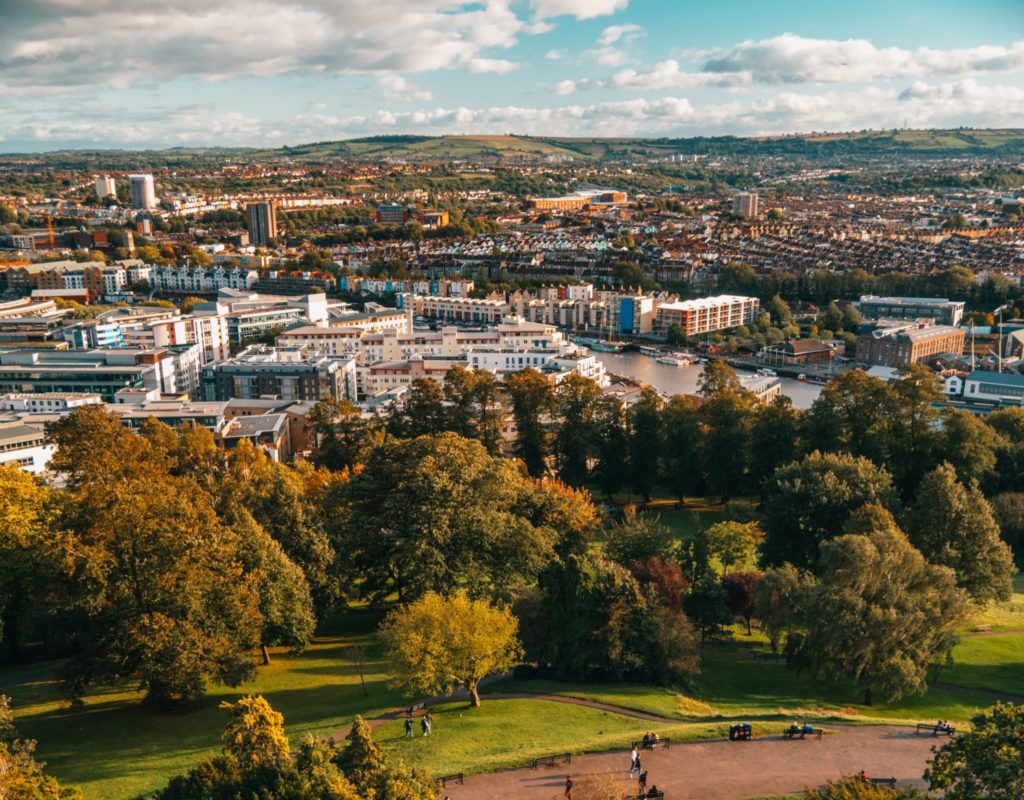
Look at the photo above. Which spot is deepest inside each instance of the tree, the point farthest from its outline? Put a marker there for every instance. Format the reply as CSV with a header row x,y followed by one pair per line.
x,y
854,414
434,513
953,525
591,617
705,604
985,762
638,537
809,501
740,594
726,418
970,444
779,311
423,412
340,434
30,555
681,446
21,776
879,614
157,590
775,434
645,441
366,766
780,599
1008,509
664,577
254,735
675,335
734,544
717,377
438,643
532,403
611,446
576,402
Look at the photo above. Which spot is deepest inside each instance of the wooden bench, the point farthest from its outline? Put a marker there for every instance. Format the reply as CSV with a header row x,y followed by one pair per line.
x,y
661,741
890,782
935,730
549,761
458,778
802,734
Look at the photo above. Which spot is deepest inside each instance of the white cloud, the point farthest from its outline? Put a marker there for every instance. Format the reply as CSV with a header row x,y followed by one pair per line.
x,y
615,33
48,44
498,66
667,75
581,9
795,59
608,56
565,87
555,55
396,87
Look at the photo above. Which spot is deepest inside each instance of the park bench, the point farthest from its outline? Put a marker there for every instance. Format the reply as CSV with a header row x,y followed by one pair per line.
x,y
549,761
935,730
661,741
458,778
890,782
802,734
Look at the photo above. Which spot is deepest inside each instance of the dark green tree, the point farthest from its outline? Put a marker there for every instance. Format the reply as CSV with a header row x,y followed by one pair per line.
x,y
646,437
533,402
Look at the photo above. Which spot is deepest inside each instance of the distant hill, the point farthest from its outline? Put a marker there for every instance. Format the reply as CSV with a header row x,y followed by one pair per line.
x,y
1006,143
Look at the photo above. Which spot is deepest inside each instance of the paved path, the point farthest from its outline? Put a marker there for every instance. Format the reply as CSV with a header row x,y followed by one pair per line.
x,y
721,770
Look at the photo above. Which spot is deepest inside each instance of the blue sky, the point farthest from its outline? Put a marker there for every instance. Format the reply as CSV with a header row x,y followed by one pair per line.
x,y
155,73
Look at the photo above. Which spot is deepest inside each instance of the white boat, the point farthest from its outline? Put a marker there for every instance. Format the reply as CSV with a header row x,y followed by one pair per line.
x,y
674,359
647,350
768,373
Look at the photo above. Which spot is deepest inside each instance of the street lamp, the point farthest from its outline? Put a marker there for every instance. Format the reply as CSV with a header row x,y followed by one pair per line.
x,y
999,339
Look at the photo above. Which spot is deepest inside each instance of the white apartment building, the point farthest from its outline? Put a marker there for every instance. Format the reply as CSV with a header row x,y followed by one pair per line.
x,y
105,187
475,311
707,314
24,446
201,280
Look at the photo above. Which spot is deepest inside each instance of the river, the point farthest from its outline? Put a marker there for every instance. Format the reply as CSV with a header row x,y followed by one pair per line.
x,y
684,380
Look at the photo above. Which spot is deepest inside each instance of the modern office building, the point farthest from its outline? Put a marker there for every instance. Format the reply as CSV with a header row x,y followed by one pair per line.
x,y
393,214
940,309
262,223
142,191
706,314
744,204
261,371
105,187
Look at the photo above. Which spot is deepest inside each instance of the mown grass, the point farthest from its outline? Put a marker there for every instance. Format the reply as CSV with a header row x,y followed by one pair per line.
x,y
116,747
988,663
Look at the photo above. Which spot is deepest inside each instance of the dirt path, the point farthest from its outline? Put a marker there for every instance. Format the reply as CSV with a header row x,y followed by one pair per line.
x,y
986,634
721,770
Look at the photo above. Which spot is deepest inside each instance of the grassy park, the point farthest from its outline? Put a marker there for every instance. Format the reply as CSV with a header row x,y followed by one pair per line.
x,y
115,747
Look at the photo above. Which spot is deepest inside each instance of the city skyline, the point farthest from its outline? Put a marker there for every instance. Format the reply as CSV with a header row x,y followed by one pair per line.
x,y
141,75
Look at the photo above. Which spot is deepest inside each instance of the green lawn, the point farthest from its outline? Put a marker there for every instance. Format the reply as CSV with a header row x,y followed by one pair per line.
x,y
989,663
509,733
115,747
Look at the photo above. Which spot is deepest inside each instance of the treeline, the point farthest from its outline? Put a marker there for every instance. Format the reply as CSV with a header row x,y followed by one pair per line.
x,y
822,286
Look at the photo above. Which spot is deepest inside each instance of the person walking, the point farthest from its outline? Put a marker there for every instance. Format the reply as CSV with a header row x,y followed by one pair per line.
x,y
643,782
408,727
634,759
425,725
568,787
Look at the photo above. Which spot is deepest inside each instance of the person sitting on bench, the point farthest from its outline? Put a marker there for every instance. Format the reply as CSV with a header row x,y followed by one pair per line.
x,y
807,728
653,791
647,740
794,729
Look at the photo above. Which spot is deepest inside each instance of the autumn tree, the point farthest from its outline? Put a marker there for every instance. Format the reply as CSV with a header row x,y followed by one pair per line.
x,y
740,594
341,434
985,762
157,591
953,525
366,766
436,643
434,513
717,377
254,735
733,545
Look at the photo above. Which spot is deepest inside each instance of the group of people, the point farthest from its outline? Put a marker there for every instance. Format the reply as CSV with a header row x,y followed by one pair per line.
x,y
943,726
805,729
426,723
649,740
641,774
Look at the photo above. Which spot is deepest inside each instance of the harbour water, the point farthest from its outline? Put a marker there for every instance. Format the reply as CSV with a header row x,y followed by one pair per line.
x,y
684,380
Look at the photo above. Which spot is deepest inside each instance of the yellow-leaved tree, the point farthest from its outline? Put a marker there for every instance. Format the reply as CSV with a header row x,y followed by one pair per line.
x,y
439,643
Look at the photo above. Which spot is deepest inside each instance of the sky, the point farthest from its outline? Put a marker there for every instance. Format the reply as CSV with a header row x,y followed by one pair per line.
x,y
168,73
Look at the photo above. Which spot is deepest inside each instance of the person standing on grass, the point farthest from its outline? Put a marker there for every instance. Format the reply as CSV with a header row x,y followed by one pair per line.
x,y
408,727
425,726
